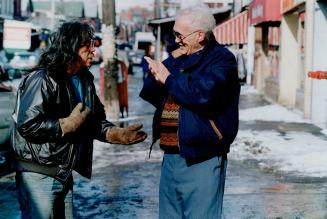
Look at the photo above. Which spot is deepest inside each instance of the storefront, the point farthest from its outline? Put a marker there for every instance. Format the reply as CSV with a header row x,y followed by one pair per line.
x,y
316,90
304,45
292,54
264,15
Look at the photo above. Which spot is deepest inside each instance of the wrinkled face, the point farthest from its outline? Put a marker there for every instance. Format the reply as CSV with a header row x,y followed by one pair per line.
x,y
186,36
86,52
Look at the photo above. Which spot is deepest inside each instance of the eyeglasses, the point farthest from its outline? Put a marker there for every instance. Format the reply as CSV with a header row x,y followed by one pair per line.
x,y
181,37
90,44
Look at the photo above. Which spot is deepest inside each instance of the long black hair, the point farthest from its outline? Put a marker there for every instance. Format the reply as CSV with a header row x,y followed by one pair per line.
x,y
64,46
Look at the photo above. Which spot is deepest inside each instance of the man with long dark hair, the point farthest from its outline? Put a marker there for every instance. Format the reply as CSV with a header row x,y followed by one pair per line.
x,y
57,117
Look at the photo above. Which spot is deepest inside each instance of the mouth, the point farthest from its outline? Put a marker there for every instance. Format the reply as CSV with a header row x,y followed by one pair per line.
x,y
181,44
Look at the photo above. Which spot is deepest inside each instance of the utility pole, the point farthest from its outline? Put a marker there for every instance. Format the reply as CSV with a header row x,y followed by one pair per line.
x,y
60,7
157,15
157,9
109,59
53,10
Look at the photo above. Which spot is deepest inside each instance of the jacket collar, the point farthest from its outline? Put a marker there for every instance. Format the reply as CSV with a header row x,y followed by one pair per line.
x,y
84,73
195,58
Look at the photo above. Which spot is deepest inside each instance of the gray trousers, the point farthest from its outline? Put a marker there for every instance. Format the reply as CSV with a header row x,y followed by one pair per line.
x,y
191,189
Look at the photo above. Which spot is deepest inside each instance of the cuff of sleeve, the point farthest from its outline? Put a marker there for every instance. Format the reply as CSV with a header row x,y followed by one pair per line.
x,y
170,81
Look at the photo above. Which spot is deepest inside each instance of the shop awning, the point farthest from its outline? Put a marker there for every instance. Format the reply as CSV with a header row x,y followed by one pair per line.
x,y
233,31
263,11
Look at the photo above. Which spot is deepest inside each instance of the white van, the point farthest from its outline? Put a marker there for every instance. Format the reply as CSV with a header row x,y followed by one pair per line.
x,y
143,40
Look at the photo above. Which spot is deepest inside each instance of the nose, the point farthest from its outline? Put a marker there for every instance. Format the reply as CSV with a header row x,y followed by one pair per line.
x,y
92,49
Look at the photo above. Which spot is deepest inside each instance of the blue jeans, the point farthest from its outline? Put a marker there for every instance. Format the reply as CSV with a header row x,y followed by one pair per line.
x,y
43,197
191,189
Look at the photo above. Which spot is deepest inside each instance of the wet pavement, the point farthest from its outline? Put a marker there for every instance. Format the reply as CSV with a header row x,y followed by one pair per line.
x,y
125,181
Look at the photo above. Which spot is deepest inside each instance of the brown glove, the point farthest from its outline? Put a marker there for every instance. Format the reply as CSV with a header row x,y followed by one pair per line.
x,y
129,135
74,120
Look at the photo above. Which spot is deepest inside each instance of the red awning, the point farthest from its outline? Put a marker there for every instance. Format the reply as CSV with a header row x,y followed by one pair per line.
x,y
261,11
233,31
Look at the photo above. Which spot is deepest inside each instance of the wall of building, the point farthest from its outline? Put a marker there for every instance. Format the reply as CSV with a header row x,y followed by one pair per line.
x,y
319,87
290,61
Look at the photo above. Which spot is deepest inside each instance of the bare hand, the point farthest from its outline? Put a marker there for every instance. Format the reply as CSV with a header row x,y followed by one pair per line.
x,y
158,70
178,52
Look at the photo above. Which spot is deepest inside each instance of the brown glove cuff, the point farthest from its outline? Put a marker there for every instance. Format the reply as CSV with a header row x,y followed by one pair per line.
x,y
113,134
74,120
116,135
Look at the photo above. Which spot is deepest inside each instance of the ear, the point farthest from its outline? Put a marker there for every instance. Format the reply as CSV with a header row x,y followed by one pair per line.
x,y
201,36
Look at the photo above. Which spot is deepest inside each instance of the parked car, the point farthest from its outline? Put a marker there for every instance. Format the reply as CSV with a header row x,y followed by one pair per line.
x,y
7,101
124,46
136,56
20,62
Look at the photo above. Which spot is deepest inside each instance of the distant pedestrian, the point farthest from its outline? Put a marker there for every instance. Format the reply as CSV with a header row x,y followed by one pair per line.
x,y
122,87
241,65
196,95
57,117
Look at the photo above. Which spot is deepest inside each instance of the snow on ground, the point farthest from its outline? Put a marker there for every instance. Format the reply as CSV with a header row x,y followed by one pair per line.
x,y
297,152
106,155
301,153
273,112
246,89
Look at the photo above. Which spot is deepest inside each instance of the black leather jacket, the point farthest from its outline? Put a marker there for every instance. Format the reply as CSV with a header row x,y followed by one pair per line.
x,y
37,139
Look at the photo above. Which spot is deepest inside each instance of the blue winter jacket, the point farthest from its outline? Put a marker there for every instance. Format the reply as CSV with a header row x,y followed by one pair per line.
x,y
205,85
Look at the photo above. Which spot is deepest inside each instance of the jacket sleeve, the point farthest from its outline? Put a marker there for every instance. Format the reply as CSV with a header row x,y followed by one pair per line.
x,y
36,121
152,91
103,124
207,91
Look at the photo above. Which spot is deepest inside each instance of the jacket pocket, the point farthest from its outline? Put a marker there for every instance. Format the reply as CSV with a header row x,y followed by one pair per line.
x,y
196,130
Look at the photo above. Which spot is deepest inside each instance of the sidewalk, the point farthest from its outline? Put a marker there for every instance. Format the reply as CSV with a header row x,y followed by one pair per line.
x,y
277,167
279,138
